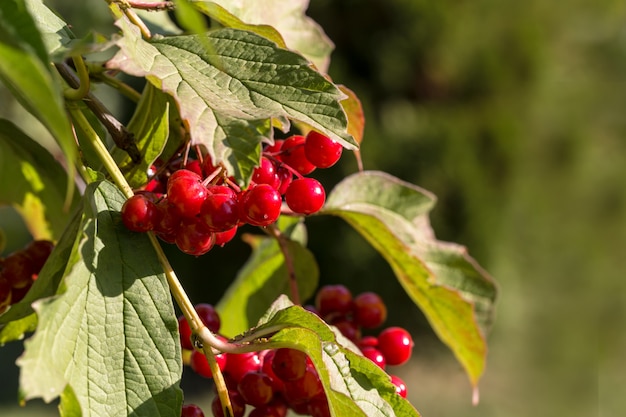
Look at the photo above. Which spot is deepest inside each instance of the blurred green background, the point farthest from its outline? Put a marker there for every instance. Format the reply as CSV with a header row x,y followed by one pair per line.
x,y
512,114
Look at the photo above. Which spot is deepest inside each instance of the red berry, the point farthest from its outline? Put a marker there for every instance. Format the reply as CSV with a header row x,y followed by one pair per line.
x,y
200,364
193,238
322,151
194,165
318,407
256,388
396,345
186,193
375,356
348,328
368,341
239,364
38,251
276,147
268,359
260,205
369,310
285,177
207,165
236,401
333,299
209,316
220,212
292,154
191,410
289,364
221,238
400,386
270,410
266,173
304,389
139,213
305,195
168,221
184,331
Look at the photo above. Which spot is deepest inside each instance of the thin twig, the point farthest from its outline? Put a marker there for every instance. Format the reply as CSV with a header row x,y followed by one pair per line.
x,y
152,5
120,135
82,89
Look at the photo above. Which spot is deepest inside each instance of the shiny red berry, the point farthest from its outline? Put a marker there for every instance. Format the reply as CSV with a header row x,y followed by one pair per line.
x,y
200,364
396,344
305,196
260,205
139,213
320,150
292,154
375,356
400,386
186,193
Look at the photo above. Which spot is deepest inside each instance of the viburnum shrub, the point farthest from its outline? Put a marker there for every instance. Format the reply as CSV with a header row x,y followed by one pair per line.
x,y
235,119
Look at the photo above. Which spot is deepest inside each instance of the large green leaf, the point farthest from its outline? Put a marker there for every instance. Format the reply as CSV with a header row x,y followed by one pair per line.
x,y
25,70
150,127
228,84
301,33
264,277
112,335
454,293
33,182
354,385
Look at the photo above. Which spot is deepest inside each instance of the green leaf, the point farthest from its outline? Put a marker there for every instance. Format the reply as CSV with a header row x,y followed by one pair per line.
x,y
24,69
262,279
16,329
112,336
55,33
228,84
454,293
227,19
59,40
150,127
354,385
300,32
37,183
69,405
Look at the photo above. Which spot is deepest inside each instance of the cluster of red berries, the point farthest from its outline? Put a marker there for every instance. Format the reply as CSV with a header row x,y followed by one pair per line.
x,y
20,269
274,381
196,208
336,305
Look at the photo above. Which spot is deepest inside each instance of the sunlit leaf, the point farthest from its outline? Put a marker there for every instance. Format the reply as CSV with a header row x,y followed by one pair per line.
x,y
33,182
25,70
455,294
227,19
227,93
354,385
112,335
301,33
